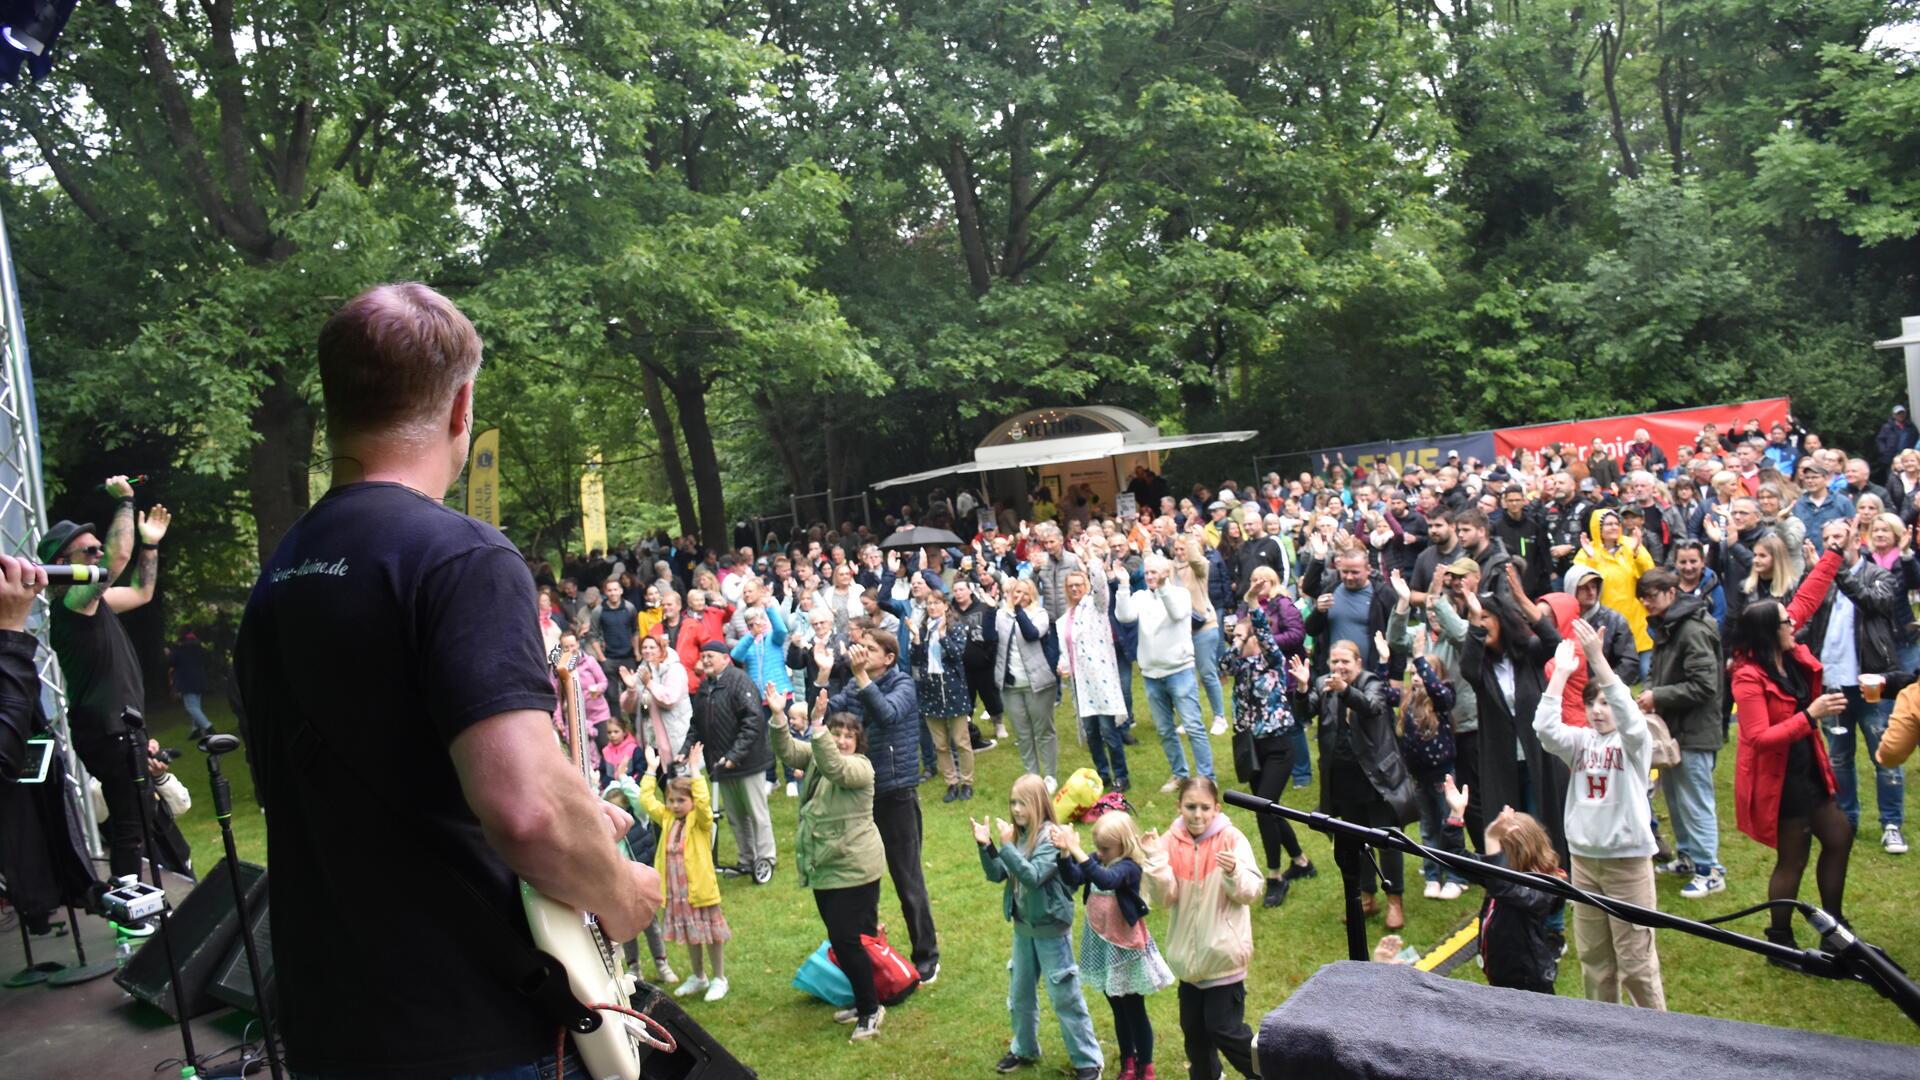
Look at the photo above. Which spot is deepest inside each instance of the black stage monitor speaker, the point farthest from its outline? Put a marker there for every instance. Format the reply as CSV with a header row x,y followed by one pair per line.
x,y
699,1057
1387,1022
233,983
204,928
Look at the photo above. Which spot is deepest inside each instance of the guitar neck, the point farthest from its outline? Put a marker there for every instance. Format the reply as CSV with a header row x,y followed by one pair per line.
x,y
573,714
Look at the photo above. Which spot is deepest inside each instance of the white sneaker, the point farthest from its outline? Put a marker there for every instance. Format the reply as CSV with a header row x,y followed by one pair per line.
x,y
1000,731
1433,890
870,1027
1705,885
1452,890
769,784
1172,784
1051,784
717,990
1219,726
693,985
793,790
846,1016
1892,841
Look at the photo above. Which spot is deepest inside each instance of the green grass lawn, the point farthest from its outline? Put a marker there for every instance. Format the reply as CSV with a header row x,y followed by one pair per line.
x,y
959,1027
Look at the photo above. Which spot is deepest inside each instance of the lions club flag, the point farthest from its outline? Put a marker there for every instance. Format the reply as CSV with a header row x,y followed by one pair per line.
x,y
593,505
483,478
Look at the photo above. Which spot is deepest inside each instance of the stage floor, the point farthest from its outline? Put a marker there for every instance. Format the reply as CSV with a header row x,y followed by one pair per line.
x,y
96,1029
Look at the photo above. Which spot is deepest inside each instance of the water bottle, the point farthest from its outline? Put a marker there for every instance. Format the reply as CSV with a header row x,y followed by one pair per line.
x,y
123,952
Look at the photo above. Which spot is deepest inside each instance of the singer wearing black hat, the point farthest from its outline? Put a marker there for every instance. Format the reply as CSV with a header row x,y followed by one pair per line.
x,y
97,657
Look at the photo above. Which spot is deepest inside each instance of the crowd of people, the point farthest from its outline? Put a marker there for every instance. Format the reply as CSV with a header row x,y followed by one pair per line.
x,y
1522,655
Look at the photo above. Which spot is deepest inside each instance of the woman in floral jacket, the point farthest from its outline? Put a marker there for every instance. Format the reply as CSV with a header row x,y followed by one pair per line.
x,y
1087,657
1263,730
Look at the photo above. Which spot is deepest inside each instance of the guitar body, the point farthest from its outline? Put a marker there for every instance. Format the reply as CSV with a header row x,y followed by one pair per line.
x,y
596,967
597,975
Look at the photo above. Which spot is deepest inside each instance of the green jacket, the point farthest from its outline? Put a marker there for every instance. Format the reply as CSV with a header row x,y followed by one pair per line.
x,y
1036,901
1685,673
839,845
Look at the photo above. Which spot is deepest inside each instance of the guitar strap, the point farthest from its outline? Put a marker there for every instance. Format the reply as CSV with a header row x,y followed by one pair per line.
x,y
508,954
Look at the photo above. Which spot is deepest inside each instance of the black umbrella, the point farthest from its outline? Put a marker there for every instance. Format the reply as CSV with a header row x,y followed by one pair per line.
x,y
920,537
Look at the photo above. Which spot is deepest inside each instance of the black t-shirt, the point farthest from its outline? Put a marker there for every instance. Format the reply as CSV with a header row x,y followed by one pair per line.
x,y
100,667
617,626
384,626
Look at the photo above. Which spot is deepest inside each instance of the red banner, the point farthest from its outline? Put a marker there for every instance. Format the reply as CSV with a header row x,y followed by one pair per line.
x,y
1669,430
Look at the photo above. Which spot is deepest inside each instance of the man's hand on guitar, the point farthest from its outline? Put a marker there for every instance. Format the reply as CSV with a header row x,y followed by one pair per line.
x,y
641,898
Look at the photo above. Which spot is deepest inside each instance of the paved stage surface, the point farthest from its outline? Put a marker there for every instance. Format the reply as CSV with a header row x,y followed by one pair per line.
x,y
95,1029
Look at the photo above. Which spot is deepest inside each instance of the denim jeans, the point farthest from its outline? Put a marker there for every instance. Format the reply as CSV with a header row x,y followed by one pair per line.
x,y
191,703
1208,647
1050,960
1302,756
1646,664
1180,690
1108,749
1431,797
1889,792
1689,788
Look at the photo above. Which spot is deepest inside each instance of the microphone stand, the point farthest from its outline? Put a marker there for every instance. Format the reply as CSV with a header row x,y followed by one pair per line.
x,y
136,736
1845,957
215,745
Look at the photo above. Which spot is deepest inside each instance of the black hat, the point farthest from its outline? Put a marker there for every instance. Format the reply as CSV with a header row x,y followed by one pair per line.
x,y
716,646
59,536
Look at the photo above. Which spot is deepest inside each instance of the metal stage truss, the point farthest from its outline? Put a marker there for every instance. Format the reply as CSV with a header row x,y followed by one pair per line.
x,y
23,513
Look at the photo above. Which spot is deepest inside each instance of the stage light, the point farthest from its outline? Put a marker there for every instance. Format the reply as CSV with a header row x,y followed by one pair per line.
x,y
28,34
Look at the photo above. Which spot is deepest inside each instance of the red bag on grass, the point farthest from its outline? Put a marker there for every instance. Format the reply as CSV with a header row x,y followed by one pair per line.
x,y
894,979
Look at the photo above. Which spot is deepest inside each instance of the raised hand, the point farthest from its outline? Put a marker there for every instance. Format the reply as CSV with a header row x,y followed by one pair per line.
x,y
630,676
1590,642
1006,830
1380,646
980,832
820,707
1419,643
1150,842
1566,657
1225,860
774,701
1302,674
1400,585
1457,797
153,525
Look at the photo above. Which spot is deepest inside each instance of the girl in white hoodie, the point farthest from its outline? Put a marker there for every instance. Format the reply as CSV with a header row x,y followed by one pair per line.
x,y
1203,873
1608,821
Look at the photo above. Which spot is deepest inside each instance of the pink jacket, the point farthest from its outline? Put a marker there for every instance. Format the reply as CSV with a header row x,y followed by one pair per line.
x,y
1209,935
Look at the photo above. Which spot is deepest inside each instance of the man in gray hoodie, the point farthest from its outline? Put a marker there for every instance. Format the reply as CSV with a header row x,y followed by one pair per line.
x,y
1616,636
1164,614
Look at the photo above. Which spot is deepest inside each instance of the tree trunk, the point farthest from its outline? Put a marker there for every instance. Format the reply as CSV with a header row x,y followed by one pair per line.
x,y
690,396
669,451
779,432
958,169
278,466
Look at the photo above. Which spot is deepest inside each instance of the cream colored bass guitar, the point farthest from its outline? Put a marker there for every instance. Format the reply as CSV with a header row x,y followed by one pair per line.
x,y
596,967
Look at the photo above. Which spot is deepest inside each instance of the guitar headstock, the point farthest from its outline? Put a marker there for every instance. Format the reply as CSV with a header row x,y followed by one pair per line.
x,y
554,657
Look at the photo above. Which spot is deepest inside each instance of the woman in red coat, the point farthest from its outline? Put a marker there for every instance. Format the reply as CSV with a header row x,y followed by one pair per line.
x,y
1783,786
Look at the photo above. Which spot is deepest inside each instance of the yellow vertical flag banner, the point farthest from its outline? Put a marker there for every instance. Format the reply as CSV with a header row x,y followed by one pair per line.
x,y
593,504
483,477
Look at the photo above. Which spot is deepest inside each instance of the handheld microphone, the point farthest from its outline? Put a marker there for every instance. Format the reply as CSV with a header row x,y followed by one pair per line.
x,y
75,574
132,481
